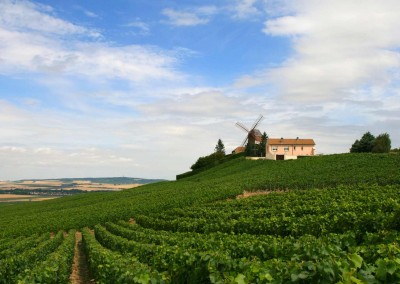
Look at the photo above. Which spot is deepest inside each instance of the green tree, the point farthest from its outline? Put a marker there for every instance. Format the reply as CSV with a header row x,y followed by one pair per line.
x,y
212,159
220,147
364,145
382,144
251,150
263,145
355,148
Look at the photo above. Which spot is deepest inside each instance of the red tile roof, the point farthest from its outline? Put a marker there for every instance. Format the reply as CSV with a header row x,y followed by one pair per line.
x,y
239,149
285,141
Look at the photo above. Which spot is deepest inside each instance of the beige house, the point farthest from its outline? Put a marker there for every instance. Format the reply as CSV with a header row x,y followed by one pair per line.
x,y
289,149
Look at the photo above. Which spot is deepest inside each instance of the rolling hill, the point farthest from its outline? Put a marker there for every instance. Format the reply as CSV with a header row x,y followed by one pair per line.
x,y
325,219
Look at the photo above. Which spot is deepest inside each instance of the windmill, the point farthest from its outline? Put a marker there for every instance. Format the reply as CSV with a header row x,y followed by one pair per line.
x,y
253,134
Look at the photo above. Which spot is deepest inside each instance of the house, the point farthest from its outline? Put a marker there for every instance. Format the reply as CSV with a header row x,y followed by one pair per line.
x,y
289,149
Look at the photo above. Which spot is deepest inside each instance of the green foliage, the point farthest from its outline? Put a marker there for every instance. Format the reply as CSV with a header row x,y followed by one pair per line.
x,y
382,144
293,213
364,145
224,181
56,268
225,159
112,267
280,237
220,147
210,160
328,219
14,264
263,145
257,150
368,143
251,150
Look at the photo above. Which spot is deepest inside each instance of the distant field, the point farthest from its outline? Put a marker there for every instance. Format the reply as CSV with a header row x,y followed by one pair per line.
x,y
39,190
58,184
20,197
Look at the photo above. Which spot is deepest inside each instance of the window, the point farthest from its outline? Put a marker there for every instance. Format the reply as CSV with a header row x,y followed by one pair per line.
x,y
274,148
301,147
286,148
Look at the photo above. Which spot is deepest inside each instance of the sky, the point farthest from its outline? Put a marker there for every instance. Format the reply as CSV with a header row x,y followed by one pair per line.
x,y
142,88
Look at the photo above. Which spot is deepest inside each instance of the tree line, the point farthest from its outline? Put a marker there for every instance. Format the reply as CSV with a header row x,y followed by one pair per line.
x,y
369,143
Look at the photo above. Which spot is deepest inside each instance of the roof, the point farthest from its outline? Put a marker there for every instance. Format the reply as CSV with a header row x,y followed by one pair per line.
x,y
256,135
256,132
290,141
239,149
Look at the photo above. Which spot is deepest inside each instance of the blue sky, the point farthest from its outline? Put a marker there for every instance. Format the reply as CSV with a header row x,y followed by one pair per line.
x,y
143,88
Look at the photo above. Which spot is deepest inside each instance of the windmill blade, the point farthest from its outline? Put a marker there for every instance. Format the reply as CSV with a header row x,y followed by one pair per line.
x,y
244,141
261,117
238,124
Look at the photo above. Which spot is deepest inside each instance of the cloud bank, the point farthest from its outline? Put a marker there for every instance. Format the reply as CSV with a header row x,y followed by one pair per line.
x,y
75,102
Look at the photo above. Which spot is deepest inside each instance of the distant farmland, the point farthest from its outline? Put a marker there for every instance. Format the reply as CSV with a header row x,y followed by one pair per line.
x,y
42,189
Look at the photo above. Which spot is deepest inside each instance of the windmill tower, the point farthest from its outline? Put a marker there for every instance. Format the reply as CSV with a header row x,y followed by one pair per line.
x,y
253,134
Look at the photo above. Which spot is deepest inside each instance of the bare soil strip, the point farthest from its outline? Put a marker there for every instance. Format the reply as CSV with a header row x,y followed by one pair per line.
x,y
247,194
80,268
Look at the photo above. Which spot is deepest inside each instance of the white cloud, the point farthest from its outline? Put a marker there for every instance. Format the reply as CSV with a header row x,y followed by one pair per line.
x,y
142,117
341,79
339,45
245,9
13,149
143,27
191,17
30,43
23,52
29,16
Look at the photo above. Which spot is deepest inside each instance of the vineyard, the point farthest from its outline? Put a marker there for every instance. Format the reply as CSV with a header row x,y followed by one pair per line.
x,y
329,219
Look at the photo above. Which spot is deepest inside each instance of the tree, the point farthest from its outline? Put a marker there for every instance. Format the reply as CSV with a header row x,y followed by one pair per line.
x,y
382,144
263,145
355,148
364,145
220,147
207,161
212,159
250,150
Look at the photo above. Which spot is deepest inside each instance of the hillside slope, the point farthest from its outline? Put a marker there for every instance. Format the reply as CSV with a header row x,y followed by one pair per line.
x,y
330,219
224,181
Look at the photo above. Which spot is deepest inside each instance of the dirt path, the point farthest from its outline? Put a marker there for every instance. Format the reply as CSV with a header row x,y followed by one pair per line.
x,y
247,194
80,269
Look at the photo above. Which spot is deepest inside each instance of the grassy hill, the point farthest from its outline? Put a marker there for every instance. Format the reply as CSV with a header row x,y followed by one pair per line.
x,y
338,202
224,181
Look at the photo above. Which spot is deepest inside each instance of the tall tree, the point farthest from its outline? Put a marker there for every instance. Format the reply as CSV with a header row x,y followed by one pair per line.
x,y
220,147
263,145
355,148
251,149
382,144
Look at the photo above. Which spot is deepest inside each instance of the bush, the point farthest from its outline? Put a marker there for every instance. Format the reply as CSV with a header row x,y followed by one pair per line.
x,y
207,160
382,144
